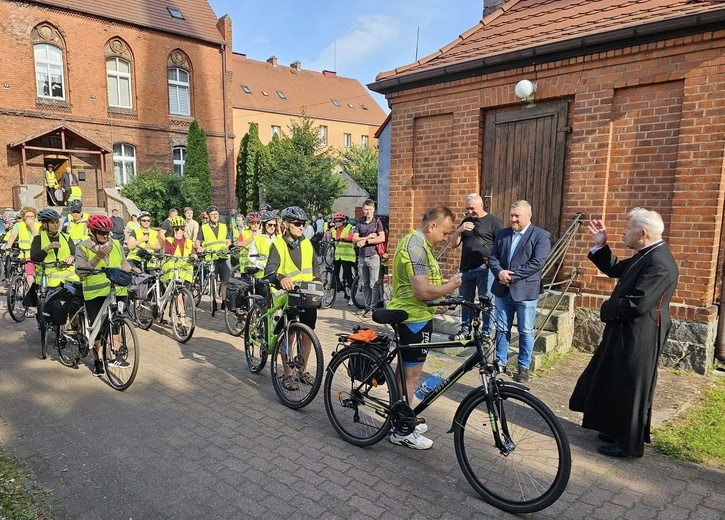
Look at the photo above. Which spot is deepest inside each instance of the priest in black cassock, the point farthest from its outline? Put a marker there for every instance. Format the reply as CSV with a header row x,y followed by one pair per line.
x,y
615,390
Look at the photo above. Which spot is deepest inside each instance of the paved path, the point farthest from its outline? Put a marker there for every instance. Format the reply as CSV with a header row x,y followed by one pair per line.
x,y
198,436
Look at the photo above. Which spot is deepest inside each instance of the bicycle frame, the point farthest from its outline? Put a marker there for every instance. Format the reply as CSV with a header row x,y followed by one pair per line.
x,y
163,300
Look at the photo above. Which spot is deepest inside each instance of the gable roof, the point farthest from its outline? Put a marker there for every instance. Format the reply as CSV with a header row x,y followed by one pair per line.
x,y
199,19
522,31
303,89
62,127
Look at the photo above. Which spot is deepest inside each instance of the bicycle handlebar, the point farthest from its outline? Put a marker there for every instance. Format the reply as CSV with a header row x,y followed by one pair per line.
x,y
483,304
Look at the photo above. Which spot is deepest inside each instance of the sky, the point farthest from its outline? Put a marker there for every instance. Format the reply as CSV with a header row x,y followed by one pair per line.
x,y
355,39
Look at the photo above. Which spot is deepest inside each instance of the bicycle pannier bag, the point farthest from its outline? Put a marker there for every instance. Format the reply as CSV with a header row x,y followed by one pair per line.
x,y
30,298
139,288
57,305
363,369
236,292
309,296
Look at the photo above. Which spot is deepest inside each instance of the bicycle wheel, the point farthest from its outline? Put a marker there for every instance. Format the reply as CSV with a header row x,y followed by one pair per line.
x,y
298,385
235,320
212,295
255,338
16,291
45,339
131,305
534,472
145,310
68,342
183,315
329,288
120,352
356,294
197,290
358,411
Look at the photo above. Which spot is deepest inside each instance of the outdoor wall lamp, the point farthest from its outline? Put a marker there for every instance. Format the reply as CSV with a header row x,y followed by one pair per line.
x,y
525,91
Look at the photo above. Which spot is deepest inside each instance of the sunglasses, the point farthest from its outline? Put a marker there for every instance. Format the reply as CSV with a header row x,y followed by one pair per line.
x,y
145,220
103,233
297,223
179,229
271,224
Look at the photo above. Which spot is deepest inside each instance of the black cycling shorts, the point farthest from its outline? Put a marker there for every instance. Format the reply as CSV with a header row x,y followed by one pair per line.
x,y
415,356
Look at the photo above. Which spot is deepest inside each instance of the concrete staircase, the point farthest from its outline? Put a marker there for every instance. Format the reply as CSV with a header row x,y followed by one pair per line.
x,y
555,338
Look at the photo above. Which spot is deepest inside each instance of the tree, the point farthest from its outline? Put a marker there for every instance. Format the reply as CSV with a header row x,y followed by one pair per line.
x,y
361,163
249,163
197,174
299,172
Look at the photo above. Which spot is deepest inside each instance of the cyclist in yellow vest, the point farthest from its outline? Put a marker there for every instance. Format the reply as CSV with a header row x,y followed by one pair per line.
x,y
50,246
259,248
178,245
417,279
290,261
345,258
142,237
245,235
51,184
97,252
75,225
23,231
215,237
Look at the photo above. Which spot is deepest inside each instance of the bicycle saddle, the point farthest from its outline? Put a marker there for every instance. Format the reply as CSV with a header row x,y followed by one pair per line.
x,y
251,270
388,316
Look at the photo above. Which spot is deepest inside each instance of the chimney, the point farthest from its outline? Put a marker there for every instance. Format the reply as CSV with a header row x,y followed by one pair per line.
x,y
489,6
296,65
272,61
329,73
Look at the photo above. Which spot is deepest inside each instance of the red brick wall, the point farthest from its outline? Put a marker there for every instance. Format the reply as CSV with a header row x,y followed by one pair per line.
x,y
149,128
648,130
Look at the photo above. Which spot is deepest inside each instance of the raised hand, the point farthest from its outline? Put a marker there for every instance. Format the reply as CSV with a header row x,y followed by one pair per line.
x,y
598,231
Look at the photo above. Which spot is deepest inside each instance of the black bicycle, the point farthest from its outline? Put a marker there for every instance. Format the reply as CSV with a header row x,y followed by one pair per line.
x,y
510,446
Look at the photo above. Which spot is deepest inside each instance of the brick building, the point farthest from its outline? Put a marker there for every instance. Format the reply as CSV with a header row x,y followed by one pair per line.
x,y
109,89
629,110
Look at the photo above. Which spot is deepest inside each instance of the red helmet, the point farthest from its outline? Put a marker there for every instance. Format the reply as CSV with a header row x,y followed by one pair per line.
x,y
339,216
98,223
254,216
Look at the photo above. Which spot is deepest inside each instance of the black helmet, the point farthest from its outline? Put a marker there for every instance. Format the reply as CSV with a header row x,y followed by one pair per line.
x,y
268,215
48,215
265,207
75,205
211,208
294,213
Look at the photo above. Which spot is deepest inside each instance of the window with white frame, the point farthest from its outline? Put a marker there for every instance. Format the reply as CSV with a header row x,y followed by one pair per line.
x,y
124,163
346,140
118,74
276,130
364,141
179,99
323,136
179,159
49,71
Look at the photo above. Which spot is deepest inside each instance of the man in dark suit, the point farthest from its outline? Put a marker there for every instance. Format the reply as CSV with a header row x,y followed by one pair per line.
x,y
615,391
517,257
67,180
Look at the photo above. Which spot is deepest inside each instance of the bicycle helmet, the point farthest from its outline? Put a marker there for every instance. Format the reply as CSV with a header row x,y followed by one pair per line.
x,y
265,207
294,213
178,222
268,215
212,208
48,215
75,205
339,216
254,216
144,214
99,223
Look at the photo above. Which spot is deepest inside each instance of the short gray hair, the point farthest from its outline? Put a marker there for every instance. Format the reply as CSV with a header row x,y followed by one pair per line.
x,y
474,197
521,203
647,219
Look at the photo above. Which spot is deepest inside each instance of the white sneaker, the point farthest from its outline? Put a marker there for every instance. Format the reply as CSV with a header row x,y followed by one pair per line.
x,y
414,440
350,303
421,428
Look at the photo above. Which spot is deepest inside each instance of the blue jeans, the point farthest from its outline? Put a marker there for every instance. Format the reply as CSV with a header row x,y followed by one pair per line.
x,y
481,279
525,312
368,268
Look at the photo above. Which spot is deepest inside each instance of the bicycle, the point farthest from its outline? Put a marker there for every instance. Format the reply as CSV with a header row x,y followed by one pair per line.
x,y
510,446
179,299
235,317
17,288
43,295
205,280
119,343
279,328
328,277
386,290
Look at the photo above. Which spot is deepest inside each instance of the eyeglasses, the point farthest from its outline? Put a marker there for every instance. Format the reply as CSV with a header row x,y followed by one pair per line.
x,y
145,220
297,223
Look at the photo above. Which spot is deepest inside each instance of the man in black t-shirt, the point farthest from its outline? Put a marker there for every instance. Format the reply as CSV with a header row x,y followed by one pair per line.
x,y
477,233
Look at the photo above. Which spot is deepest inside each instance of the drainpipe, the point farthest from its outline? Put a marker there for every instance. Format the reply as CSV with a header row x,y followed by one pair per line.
x,y
230,184
720,341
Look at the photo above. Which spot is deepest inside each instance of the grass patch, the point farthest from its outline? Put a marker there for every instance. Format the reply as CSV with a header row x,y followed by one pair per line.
x,y
20,497
698,434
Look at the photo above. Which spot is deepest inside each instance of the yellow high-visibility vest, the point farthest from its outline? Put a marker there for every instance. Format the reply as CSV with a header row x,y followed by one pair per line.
x,y
55,276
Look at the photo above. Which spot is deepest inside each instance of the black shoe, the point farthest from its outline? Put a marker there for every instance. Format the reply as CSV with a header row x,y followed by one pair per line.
x,y
98,368
366,313
522,376
613,450
223,305
606,438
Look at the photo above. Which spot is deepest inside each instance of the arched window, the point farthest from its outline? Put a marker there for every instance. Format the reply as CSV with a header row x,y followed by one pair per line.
x,y
179,159
179,79
49,71
118,74
124,163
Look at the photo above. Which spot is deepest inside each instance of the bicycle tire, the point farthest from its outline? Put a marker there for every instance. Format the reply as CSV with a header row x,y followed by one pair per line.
x,y
16,291
535,472
145,310
329,288
356,294
183,321
256,348
120,362
305,392
212,295
68,350
131,304
235,320
359,412
44,340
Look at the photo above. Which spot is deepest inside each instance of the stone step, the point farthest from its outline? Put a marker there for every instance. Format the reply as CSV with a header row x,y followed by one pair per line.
x,y
557,320
549,299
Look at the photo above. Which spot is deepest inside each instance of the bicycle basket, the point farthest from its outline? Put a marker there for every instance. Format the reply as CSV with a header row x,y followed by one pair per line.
x,y
362,369
236,291
139,287
308,297
118,276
